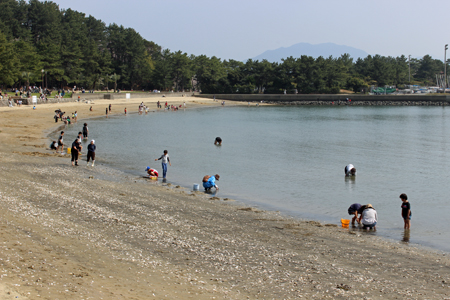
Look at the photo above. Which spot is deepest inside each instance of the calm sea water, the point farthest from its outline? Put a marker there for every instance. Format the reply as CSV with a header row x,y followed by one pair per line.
x,y
291,159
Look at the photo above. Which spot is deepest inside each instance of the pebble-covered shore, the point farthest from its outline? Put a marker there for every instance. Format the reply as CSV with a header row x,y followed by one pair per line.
x,y
97,233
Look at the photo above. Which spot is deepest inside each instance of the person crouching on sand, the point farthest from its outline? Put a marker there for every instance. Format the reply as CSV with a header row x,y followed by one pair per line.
x,y
210,182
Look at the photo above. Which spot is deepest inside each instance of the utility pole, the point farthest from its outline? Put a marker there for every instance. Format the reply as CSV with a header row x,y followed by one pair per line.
x,y
445,67
409,65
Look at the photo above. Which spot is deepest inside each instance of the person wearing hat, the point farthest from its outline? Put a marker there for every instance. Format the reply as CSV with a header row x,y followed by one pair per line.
x,y
151,172
210,181
369,217
91,153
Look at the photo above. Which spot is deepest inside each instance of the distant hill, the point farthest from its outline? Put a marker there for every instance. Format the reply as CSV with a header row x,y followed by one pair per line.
x,y
297,50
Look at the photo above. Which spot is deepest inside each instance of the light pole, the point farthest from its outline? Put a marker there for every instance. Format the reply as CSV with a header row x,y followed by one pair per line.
x,y
445,67
409,65
42,71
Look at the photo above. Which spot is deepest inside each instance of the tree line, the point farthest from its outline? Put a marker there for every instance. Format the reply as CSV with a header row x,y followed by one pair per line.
x,y
43,45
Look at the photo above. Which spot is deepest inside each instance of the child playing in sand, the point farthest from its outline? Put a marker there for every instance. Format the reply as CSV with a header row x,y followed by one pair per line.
x,y
406,211
165,160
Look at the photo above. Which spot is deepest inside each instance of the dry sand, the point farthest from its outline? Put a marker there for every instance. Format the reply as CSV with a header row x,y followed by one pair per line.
x,y
97,233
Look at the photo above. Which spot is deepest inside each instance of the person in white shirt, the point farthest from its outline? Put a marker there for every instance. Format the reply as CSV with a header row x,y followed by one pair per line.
x,y
369,217
350,170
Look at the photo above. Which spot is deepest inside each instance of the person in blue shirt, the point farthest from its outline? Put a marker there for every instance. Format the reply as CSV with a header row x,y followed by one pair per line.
x,y
353,210
210,182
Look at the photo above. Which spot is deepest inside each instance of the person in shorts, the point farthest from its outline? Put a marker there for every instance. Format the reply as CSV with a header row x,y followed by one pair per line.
x,y
60,142
406,211
91,153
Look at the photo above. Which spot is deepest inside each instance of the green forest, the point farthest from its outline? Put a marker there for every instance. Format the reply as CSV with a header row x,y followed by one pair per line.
x,y
43,45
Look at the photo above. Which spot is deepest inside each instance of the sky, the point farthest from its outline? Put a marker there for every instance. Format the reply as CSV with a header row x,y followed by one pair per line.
x,y
242,29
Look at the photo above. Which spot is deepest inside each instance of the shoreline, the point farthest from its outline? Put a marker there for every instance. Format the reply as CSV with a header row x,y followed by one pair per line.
x,y
112,236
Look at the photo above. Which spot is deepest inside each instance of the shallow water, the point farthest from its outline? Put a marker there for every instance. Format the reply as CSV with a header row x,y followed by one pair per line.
x,y
292,159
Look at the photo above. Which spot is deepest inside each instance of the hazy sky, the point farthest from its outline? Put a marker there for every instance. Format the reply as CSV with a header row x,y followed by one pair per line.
x,y
242,29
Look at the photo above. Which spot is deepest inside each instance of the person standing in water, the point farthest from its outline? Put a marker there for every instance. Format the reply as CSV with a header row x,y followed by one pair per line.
x,y
218,141
165,159
91,153
60,142
406,211
85,131
74,152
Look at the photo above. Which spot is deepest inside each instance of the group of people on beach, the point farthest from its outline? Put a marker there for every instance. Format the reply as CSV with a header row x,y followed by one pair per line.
x,y
76,146
366,215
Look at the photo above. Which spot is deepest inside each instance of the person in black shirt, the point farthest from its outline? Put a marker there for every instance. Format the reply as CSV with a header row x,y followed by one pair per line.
x,y
406,211
74,151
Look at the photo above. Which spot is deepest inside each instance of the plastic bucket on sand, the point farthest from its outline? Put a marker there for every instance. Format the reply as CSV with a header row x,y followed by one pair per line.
x,y
196,187
153,177
69,150
345,223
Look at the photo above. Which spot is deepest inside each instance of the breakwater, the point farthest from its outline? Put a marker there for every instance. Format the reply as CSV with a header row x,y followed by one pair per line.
x,y
337,99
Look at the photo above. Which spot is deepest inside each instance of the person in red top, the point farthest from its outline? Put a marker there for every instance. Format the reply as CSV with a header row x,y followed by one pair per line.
x,y
151,172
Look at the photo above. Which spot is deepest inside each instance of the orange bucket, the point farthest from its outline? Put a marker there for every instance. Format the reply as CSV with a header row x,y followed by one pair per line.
x,y
345,223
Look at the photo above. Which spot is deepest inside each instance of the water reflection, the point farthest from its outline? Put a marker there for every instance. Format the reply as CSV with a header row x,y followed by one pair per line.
x,y
406,236
350,182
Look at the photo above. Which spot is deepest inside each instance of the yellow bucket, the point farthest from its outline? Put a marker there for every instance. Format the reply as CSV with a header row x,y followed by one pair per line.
x,y
153,177
69,150
345,223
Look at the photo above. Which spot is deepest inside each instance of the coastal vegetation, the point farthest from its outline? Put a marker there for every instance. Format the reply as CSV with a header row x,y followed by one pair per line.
x,y
43,45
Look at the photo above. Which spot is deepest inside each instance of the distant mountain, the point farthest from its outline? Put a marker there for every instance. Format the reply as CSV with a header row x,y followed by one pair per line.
x,y
297,50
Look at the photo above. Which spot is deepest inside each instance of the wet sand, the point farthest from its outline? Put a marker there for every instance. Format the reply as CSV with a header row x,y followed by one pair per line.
x,y
98,233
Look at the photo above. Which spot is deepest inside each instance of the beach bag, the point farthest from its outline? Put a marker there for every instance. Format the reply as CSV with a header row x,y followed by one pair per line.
x,y
205,178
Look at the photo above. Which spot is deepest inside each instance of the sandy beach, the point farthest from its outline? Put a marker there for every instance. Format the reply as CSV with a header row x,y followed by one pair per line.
x,y
99,233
